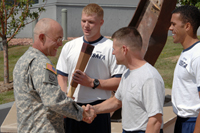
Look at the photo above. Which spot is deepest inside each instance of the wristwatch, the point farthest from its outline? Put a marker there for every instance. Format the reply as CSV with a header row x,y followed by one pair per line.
x,y
96,83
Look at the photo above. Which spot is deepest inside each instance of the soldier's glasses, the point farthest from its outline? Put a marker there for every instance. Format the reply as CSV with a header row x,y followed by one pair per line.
x,y
59,40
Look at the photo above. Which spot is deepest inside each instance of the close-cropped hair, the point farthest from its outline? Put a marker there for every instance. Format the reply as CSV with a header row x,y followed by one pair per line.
x,y
42,26
129,36
189,14
93,8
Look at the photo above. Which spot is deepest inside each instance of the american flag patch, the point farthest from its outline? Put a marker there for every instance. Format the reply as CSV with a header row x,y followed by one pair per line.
x,y
51,68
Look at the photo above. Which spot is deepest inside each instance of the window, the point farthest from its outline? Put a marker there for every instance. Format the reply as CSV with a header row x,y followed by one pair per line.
x,y
10,2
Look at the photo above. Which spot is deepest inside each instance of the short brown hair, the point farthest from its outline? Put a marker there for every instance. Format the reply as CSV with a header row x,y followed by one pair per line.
x,y
93,8
129,36
189,14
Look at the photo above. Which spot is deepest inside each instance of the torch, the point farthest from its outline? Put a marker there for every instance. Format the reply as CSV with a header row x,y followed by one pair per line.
x,y
84,56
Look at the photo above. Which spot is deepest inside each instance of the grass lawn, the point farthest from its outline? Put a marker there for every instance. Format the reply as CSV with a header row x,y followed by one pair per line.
x,y
7,97
165,64
167,60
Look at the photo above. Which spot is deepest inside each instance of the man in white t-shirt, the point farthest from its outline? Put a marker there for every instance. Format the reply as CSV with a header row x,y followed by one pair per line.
x,y
141,90
101,76
186,83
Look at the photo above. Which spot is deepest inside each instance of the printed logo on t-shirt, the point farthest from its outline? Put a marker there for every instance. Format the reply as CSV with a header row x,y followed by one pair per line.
x,y
183,64
98,56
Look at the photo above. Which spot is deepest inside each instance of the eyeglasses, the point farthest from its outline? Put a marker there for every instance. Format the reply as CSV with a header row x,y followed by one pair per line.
x,y
58,40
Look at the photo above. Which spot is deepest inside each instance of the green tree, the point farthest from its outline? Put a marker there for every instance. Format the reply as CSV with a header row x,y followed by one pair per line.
x,y
14,15
190,2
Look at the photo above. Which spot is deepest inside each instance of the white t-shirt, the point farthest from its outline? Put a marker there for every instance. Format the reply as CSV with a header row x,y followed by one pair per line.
x,y
186,82
101,65
142,94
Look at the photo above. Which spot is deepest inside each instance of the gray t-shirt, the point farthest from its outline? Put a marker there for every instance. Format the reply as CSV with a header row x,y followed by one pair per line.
x,y
142,94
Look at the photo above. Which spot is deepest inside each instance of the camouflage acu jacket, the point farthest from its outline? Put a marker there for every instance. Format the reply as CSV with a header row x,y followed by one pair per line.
x,y
40,102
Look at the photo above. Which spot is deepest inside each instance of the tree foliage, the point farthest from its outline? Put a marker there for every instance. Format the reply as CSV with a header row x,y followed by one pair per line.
x,y
14,15
190,2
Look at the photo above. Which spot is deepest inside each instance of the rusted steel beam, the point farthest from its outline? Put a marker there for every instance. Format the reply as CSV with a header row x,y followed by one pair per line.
x,y
152,19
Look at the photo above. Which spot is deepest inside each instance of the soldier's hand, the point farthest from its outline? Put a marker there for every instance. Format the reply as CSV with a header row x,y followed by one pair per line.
x,y
88,113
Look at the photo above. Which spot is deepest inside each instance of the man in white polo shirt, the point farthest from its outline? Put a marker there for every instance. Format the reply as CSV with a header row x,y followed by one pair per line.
x,y
186,83
101,76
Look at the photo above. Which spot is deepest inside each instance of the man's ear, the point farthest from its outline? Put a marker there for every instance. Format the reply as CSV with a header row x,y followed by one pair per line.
x,y
188,26
102,21
125,49
42,38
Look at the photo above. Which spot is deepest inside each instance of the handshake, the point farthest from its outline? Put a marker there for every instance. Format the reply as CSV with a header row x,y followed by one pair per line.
x,y
89,113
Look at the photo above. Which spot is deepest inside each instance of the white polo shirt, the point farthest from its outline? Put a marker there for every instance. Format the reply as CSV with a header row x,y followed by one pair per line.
x,y
101,65
186,83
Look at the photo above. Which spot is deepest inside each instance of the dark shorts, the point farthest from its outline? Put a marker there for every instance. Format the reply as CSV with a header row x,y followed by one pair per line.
x,y
101,123
185,125
140,131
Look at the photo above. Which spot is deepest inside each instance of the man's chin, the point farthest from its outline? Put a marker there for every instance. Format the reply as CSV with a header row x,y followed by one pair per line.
x,y
174,41
86,33
54,54
118,63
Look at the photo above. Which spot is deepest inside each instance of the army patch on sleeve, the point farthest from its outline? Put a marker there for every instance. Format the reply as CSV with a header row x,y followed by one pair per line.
x,y
51,68
51,75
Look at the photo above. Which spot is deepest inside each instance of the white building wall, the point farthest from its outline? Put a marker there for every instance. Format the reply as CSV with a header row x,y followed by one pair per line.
x,y
117,14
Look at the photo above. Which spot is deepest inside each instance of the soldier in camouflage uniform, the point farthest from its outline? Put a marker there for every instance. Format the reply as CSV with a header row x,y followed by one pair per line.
x,y
41,104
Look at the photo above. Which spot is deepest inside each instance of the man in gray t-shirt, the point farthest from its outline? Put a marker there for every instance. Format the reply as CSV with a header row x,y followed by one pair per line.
x,y
141,90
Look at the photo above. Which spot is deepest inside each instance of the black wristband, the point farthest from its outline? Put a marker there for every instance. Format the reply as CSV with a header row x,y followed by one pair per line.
x,y
96,83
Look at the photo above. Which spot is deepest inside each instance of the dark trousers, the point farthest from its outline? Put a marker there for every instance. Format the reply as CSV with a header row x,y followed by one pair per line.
x,y
185,125
101,123
139,131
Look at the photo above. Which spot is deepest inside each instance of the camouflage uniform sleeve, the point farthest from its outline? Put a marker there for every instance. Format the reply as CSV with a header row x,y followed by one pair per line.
x,y
46,84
